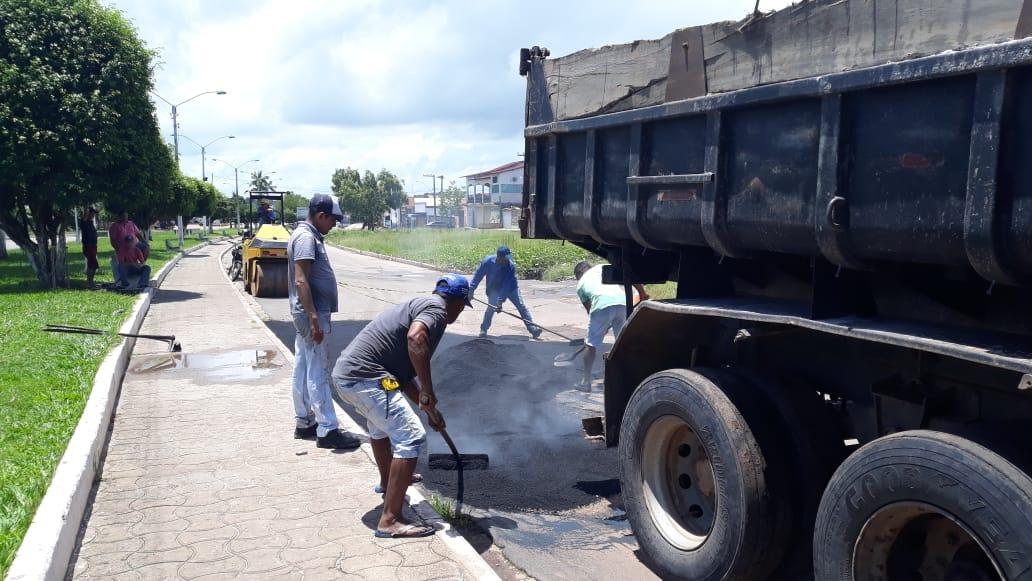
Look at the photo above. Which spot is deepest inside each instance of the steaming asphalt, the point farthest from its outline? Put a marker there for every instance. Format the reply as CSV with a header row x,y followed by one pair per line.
x,y
550,499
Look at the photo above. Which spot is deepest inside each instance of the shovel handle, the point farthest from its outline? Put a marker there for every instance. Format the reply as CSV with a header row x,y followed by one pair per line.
x,y
515,316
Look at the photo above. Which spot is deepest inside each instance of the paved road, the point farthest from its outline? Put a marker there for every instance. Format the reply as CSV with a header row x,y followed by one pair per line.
x,y
203,477
550,499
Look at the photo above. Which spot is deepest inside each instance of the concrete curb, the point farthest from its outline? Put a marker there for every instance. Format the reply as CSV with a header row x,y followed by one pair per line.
x,y
467,555
51,538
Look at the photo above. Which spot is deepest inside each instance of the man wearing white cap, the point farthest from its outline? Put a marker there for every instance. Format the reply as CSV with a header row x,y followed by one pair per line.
x,y
312,292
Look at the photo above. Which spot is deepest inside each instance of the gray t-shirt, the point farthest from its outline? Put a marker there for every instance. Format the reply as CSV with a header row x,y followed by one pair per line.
x,y
307,244
381,348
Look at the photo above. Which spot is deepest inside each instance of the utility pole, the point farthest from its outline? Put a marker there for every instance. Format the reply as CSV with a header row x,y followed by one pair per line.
x,y
433,182
175,140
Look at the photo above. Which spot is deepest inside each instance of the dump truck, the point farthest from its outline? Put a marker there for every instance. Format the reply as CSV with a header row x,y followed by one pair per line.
x,y
842,192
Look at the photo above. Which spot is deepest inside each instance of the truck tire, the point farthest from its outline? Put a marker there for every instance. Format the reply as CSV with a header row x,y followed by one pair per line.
x,y
699,492
810,444
924,504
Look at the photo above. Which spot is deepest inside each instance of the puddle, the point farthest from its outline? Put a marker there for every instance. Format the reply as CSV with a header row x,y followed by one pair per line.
x,y
244,364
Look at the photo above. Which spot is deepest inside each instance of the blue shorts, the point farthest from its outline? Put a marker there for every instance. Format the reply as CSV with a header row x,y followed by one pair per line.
x,y
388,414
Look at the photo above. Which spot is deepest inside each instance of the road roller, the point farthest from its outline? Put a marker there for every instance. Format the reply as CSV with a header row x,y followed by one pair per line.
x,y
265,247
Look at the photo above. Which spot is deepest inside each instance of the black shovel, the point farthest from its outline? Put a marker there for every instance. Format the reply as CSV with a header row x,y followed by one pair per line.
x,y
455,461
173,345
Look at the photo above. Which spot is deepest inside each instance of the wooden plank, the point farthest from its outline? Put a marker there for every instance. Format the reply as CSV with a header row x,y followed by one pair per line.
x,y
686,77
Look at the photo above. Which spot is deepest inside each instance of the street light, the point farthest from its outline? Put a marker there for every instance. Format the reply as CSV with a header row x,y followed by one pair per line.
x,y
236,177
204,174
175,138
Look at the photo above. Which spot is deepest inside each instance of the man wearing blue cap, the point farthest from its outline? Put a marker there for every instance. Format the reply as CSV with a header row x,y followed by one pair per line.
x,y
390,356
502,285
312,292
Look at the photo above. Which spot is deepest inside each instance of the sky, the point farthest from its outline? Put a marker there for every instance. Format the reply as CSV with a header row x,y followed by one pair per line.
x,y
416,87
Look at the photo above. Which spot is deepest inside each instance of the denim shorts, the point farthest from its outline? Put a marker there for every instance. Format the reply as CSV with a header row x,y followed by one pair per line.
x,y
388,414
602,320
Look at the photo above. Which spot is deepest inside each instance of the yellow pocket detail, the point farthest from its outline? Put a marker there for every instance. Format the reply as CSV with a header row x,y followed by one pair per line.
x,y
389,384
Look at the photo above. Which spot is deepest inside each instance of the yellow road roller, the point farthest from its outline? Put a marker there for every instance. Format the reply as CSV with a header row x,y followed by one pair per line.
x,y
265,247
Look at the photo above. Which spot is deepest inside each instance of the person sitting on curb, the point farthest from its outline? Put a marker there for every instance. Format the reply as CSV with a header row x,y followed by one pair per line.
x,y
606,305
391,355
134,264
502,285
312,294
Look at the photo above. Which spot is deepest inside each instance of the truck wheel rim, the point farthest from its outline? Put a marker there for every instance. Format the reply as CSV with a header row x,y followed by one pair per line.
x,y
678,482
907,540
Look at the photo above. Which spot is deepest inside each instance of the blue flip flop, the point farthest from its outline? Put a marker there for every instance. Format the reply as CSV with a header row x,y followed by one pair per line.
x,y
416,479
406,532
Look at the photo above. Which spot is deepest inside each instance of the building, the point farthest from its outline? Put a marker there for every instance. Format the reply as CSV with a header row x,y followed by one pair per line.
x,y
491,194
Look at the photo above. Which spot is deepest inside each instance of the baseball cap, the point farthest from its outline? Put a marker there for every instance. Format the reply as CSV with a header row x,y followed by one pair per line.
x,y
503,249
454,286
327,205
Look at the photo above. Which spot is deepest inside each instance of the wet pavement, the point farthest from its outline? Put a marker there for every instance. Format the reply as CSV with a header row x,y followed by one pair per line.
x,y
550,499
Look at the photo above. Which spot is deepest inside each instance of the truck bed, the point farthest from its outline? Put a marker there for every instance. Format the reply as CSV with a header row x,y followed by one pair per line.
x,y
811,38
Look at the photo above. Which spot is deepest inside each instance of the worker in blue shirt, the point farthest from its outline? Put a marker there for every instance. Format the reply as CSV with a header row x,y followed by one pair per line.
x,y
502,285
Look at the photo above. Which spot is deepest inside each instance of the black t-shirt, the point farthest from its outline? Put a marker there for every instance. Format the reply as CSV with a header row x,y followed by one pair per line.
x,y
381,348
89,232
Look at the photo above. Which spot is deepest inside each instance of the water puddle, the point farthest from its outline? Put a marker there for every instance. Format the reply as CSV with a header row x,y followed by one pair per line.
x,y
244,364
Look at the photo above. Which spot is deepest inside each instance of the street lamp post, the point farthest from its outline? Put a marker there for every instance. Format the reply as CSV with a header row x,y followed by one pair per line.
x,y
175,138
204,148
236,178
204,173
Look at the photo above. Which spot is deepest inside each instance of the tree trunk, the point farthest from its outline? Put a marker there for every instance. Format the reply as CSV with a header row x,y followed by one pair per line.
x,y
3,245
48,260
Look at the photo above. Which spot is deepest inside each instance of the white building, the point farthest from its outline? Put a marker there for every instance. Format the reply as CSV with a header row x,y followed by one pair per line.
x,y
490,194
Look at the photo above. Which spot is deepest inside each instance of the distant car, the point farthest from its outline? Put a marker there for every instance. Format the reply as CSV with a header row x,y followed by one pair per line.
x,y
438,225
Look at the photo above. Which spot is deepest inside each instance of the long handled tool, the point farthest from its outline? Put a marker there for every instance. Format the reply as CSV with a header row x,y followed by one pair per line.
x,y
572,342
566,359
455,461
173,345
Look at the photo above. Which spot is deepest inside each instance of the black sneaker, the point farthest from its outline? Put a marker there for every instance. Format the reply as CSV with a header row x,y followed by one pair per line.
x,y
305,433
338,440
536,332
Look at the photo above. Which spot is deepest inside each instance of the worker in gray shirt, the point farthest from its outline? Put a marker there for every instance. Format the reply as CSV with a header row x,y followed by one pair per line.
x,y
312,292
389,357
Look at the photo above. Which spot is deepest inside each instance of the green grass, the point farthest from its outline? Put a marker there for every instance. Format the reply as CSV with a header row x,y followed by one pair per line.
x,y
446,509
462,250
46,378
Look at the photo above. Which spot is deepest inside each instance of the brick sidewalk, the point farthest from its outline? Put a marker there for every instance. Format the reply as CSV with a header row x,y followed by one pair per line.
x,y
203,476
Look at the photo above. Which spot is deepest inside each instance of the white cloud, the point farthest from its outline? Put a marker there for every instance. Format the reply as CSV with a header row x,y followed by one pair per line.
x,y
414,87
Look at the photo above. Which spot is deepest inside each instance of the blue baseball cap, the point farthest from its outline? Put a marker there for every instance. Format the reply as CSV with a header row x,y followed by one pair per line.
x,y
327,205
503,249
453,285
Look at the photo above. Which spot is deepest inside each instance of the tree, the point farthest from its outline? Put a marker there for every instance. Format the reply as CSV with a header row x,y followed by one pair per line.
x,y
261,182
367,196
76,123
451,199
393,188
3,245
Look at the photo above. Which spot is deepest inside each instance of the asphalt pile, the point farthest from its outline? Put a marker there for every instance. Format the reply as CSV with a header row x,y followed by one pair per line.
x,y
500,398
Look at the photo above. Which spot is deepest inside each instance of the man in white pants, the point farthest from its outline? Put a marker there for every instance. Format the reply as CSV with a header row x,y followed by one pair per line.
x,y
312,291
